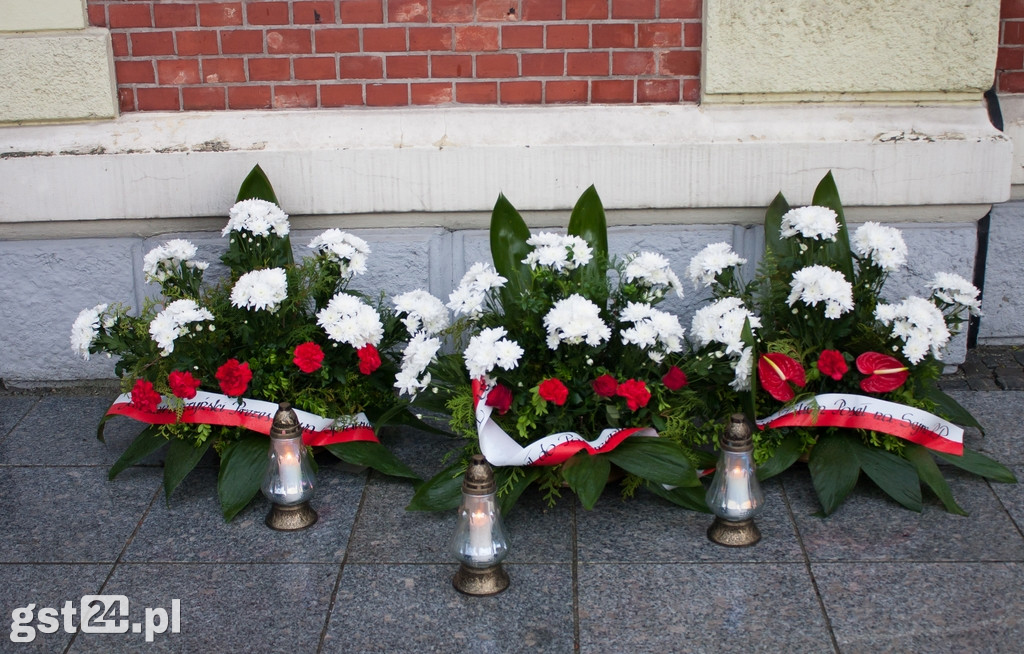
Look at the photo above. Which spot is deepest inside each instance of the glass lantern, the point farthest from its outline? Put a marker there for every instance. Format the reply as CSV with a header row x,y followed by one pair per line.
x,y
479,543
289,480
735,495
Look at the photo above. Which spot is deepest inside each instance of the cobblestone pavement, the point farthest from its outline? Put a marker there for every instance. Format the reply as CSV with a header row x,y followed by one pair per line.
x,y
989,368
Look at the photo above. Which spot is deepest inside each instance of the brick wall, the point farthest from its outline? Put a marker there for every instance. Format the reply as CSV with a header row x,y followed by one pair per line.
x,y
181,56
1010,64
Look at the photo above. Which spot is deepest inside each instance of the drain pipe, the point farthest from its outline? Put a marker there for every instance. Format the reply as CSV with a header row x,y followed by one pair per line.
x,y
995,116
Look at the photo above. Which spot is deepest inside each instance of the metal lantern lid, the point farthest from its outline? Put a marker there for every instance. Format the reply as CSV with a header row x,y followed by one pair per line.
x,y
286,423
738,435
479,479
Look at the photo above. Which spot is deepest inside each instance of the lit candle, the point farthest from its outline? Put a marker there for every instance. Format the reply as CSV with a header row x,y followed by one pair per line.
x,y
290,469
737,489
480,541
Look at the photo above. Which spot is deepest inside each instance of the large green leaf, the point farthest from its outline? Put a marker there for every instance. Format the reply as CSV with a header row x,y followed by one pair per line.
x,y
182,457
655,459
980,464
949,408
442,492
587,476
834,468
509,499
257,185
838,251
773,240
243,465
896,476
588,222
690,497
373,455
147,442
509,234
930,474
786,454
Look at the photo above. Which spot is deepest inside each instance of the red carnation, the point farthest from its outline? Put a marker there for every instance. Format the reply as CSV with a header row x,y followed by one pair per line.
x,y
832,364
183,384
308,357
605,386
674,379
369,359
635,392
234,377
774,370
885,373
500,398
144,397
553,390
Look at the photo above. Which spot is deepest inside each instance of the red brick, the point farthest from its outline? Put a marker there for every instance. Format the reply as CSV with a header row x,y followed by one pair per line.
x,y
134,72
611,91
387,95
249,97
158,99
195,42
637,62
175,15
298,41
422,39
408,11
384,39
220,14
497,65
691,90
1011,82
451,66
152,43
290,97
692,35
546,64
634,8
567,36
265,70
521,92
119,44
614,35
405,66
660,35
472,38
341,95
586,63
1013,32
266,13
476,92
561,91
680,9
586,9
130,14
431,93
1008,59
203,98
177,72
540,10
522,36
362,11
1012,9
657,90
241,42
315,68
680,62
337,40
125,100
492,10
451,11
360,67
313,13
220,71
98,18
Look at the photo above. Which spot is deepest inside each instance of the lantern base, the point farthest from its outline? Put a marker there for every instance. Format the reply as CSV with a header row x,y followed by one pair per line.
x,y
291,518
480,581
742,533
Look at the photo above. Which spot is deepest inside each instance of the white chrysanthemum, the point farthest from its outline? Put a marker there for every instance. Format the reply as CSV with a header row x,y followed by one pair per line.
x,y
260,289
744,366
656,331
468,298
257,217
174,321
711,261
489,350
85,329
557,251
418,354
955,290
653,271
883,246
350,252
919,324
573,320
423,312
347,319
163,261
812,222
722,322
815,284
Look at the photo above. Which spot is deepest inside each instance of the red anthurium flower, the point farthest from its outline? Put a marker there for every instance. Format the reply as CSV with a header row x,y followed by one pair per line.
x,y
553,390
234,377
308,357
369,359
885,373
605,386
183,384
635,392
500,398
774,370
144,397
674,379
832,364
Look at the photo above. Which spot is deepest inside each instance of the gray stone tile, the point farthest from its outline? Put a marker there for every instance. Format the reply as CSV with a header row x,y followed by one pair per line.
x,y
1001,414
403,608
649,529
192,528
45,586
1012,496
223,607
71,514
12,410
871,527
767,607
423,451
924,607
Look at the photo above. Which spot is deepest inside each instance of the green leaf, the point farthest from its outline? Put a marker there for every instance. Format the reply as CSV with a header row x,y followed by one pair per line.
x,y
588,222
509,499
897,477
147,442
930,474
509,234
587,476
949,408
786,454
658,460
980,464
182,457
257,185
773,240
690,497
834,468
243,465
442,492
838,251
750,396
373,455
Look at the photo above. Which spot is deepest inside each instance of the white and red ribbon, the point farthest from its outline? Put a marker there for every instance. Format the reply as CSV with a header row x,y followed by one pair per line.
x,y
862,412
254,415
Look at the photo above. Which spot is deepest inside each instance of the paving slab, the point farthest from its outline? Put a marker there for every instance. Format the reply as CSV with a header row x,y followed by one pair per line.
x,y
1001,414
1012,497
12,410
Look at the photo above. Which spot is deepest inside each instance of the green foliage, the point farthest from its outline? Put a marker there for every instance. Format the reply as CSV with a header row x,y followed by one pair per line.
x,y
242,466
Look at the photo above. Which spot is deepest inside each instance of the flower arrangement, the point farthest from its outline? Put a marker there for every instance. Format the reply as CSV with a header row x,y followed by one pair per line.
x,y
828,368
564,366
273,329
